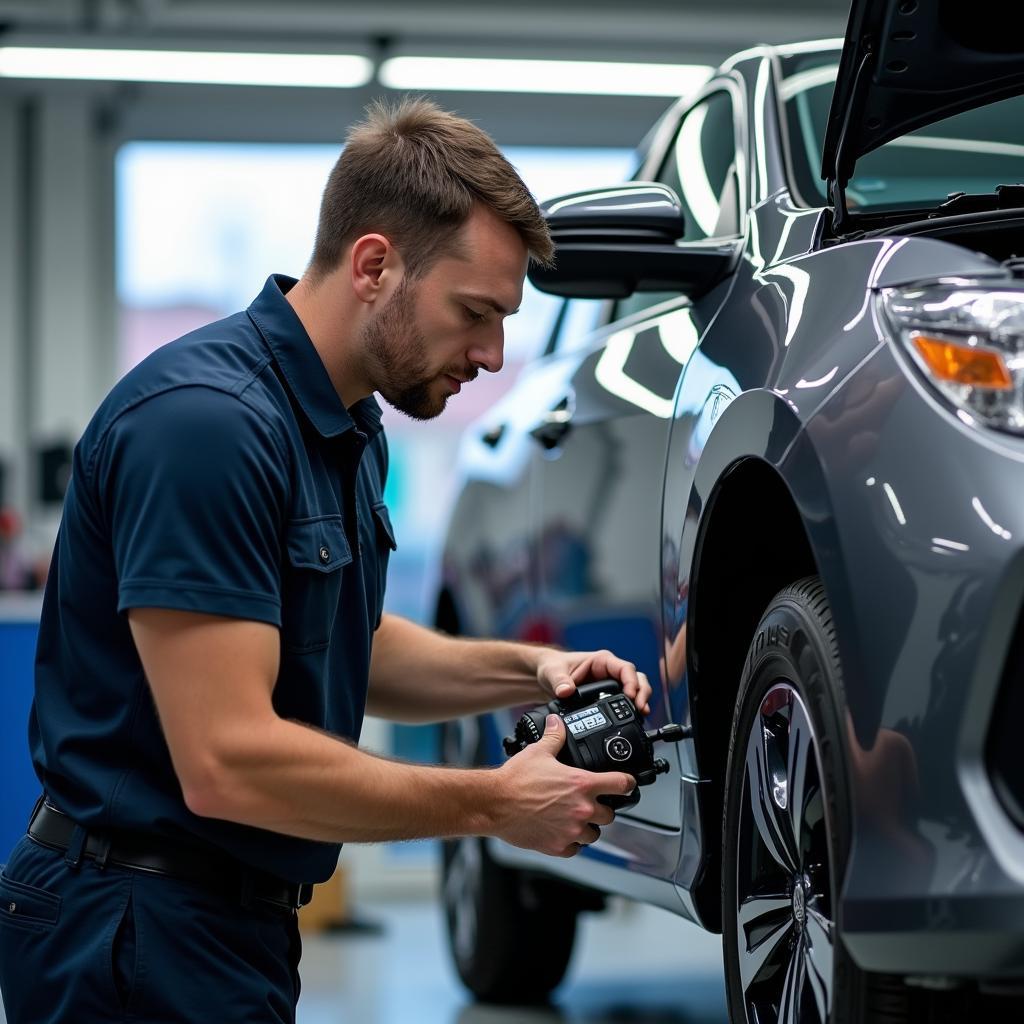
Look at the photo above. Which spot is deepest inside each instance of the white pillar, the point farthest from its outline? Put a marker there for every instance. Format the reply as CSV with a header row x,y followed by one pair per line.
x,y
12,327
71,295
67,253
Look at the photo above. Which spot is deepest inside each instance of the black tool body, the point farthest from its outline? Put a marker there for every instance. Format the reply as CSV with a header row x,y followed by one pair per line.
x,y
603,733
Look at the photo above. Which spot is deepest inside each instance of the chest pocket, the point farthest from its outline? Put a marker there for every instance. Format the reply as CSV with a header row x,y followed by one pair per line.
x,y
316,551
384,544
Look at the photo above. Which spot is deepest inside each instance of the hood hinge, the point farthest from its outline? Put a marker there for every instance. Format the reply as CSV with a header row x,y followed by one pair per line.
x,y
837,183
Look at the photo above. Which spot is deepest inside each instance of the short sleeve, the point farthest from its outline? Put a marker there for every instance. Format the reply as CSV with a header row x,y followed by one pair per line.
x,y
193,484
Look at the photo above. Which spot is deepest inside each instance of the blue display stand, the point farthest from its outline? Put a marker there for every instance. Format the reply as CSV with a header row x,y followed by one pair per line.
x,y
19,625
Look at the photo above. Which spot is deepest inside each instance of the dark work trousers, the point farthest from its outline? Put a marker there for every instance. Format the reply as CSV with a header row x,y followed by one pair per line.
x,y
80,945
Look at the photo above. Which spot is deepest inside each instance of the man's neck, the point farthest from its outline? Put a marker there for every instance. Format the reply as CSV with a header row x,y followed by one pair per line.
x,y
328,325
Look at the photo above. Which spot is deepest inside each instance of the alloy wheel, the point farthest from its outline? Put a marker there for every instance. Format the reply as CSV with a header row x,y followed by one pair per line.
x,y
784,893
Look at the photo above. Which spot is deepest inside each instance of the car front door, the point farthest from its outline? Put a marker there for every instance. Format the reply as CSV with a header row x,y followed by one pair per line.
x,y
600,447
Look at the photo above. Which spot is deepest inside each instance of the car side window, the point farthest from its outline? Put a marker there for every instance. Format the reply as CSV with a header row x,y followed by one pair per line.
x,y
701,169
577,320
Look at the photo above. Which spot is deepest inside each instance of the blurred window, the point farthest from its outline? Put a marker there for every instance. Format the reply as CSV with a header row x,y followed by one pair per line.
x,y
201,225
701,170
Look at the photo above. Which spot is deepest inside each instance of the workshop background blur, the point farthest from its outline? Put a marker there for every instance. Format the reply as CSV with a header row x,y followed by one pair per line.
x,y
144,194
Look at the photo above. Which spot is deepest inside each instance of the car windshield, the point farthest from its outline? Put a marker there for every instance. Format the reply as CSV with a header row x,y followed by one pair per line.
x,y
969,152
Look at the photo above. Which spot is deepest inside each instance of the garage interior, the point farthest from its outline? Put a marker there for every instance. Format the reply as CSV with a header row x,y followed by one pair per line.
x,y
80,164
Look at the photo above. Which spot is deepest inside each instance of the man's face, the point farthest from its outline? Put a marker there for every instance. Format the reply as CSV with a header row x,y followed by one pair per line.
x,y
436,333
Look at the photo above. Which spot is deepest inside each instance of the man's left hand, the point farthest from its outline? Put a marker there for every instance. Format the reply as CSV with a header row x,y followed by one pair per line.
x,y
560,672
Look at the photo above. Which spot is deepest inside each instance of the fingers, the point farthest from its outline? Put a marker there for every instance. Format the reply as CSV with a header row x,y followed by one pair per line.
x,y
603,815
590,835
637,688
635,685
554,734
564,687
618,783
642,698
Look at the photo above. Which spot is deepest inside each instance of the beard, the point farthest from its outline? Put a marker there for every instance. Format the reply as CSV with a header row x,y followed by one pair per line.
x,y
397,353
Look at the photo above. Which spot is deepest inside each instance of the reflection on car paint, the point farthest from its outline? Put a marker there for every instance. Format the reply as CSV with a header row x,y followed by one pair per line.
x,y
677,334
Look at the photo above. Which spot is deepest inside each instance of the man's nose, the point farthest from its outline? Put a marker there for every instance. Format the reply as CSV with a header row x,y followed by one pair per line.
x,y
488,353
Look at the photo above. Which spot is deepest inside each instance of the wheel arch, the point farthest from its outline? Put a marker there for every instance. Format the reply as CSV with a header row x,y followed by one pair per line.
x,y
740,562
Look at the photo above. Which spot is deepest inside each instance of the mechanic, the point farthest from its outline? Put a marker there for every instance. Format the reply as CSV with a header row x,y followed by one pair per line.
x,y
198,752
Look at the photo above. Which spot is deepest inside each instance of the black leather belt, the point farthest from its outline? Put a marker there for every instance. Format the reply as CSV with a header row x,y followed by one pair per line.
x,y
52,828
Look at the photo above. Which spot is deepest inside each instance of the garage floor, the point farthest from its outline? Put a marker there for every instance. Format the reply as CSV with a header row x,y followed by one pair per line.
x,y
633,965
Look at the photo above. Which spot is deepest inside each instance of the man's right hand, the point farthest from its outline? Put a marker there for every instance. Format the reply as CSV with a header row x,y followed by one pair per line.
x,y
549,806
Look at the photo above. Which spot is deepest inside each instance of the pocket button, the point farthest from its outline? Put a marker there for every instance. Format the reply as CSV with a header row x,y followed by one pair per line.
x,y
325,555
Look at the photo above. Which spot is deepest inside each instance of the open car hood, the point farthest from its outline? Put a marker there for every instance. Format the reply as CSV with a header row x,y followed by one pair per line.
x,y
908,63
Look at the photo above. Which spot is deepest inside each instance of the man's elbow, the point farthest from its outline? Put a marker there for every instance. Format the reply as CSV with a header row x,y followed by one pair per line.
x,y
211,789
204,800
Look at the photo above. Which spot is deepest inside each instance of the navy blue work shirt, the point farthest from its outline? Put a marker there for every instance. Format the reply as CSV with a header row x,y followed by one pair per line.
x,y
222,475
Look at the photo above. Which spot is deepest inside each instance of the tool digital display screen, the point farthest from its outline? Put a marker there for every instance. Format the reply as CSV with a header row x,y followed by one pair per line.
x,y
587,720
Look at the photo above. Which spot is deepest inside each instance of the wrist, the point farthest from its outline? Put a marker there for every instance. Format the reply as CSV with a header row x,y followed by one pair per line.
x,y
535,657
493,802
526,679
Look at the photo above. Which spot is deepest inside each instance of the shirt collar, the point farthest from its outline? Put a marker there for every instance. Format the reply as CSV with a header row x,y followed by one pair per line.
x,y
301,365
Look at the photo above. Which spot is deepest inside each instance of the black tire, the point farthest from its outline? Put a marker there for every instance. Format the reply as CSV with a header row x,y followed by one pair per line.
x,y
511,937
785,846
508,947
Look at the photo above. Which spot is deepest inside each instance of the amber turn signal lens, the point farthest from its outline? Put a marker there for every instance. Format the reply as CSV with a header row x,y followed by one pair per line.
x,y
962,364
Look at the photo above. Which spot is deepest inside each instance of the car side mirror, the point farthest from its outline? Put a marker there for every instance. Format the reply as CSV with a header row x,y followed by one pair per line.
x,y
611,242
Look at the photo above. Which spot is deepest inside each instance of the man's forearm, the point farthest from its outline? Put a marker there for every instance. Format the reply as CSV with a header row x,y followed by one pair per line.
x,y
419,675
305,783
213,679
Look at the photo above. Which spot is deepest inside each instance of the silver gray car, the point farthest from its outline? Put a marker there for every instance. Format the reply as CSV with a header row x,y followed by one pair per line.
x,y
774,454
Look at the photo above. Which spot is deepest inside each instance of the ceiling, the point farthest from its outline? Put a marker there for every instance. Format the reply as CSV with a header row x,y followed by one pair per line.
x,y
678,31
712,28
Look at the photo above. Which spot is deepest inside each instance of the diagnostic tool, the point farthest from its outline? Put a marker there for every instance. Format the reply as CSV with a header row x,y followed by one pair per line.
x,y
603,733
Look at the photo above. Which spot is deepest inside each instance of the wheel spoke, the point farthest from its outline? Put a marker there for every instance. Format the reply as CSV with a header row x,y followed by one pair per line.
x,y
800,759
771,821
792,987
818,944
755,955
760,911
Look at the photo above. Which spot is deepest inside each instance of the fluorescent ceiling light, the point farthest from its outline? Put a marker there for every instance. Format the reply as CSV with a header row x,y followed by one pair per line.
x,y
586,77
328,70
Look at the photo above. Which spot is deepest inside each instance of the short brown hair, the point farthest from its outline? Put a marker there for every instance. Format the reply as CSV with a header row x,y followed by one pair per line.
x,y
413,172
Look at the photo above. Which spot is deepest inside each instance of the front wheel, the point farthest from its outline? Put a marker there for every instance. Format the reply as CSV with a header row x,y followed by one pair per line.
x,y
786,831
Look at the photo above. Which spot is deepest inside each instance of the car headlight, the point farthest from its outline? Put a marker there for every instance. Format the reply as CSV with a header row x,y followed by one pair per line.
x,y
968,341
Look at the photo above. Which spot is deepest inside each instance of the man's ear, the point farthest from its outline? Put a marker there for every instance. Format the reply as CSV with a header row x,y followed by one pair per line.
x,y
373,261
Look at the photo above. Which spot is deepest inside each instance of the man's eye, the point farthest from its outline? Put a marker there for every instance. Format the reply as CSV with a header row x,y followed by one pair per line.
x,y
474,316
